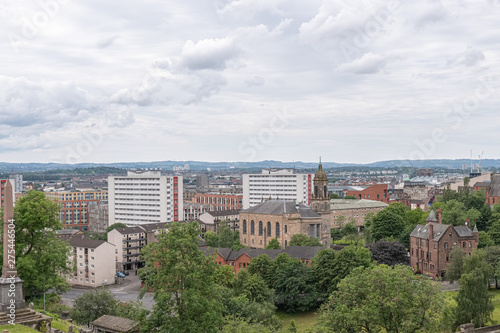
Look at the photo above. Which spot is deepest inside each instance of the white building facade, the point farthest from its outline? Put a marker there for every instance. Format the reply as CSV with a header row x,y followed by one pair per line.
x,y
145,196
277,184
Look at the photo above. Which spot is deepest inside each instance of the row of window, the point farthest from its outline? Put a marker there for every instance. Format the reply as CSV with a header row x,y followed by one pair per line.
x,y
261,228
445,244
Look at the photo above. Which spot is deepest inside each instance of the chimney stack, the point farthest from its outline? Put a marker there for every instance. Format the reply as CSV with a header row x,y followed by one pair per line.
x,y
439,216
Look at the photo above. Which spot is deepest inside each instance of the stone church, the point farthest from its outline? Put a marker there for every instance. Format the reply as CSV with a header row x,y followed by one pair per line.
x,y
282,219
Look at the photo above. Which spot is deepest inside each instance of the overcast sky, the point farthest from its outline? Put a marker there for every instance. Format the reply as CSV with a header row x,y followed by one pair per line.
x,y
248,80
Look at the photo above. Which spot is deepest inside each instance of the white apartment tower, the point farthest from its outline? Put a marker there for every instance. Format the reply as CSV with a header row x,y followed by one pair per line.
x,y
277,184
145,196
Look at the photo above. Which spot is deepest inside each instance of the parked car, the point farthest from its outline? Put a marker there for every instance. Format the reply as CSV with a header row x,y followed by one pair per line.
x,y
120,274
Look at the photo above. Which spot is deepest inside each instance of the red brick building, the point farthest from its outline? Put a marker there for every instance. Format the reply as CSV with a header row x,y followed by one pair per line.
x,y
377,192
493,190
220,201
431,244
240,259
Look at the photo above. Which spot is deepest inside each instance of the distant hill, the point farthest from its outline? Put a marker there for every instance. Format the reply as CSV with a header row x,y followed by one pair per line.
x,y
200,165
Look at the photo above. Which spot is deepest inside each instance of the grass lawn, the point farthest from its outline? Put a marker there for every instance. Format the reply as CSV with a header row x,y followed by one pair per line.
x,y
62,325
303,320
17,329
496,302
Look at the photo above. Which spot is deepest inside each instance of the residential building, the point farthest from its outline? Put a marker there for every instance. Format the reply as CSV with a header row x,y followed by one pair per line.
x,y
276,184
75,206
281,219
92,259
130,241
18,182
240,259
193,211
417,190
145,196
378,192
493,190
431,244
210,221
353,210
98,216
220,201
202,181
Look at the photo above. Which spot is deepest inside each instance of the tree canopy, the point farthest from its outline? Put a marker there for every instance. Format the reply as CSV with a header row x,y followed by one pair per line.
x,y
382,298
389,253
184,283
304,240
42,258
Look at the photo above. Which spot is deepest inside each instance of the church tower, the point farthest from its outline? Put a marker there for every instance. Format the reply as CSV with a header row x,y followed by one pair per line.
x,y
320,201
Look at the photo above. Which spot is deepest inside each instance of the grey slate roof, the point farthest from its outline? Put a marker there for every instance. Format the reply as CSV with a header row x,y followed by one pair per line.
x,y
495,186
118,324
422,231
300,252
85,242
280,207
432,217
303,252
356,204
224,212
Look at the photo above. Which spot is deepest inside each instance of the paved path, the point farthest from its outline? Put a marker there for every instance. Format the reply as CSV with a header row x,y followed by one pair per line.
x,y
127,291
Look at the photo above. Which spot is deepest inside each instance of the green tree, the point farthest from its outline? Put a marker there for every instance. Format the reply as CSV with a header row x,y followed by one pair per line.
x,y
237,324
474,303
385,299
322,269
292,328
273,244
387,225
350,197
134,310
485,240
454,212
92,305
184,283
336,234
389,253
456,267
345,261
263,266
334,196
340,221
304,240
293,284
42,259
494,232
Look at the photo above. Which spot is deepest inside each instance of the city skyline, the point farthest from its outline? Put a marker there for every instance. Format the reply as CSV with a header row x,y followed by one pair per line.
x,y
354,82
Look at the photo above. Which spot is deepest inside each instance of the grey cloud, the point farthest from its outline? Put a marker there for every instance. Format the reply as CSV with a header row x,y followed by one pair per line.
x,y
369,64
102,44
470,57
255,81
209,54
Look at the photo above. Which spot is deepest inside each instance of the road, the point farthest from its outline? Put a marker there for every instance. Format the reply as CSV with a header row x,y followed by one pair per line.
x,y
127,291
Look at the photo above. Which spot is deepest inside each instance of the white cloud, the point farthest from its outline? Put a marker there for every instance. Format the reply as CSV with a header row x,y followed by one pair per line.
x,y
368,64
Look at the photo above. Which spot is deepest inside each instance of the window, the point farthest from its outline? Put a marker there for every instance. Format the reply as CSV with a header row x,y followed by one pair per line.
x,y
470,244
268,229
447,257
244,226
446,246
286,228
277,229
286,243
434,245
261,232
252,227
463,244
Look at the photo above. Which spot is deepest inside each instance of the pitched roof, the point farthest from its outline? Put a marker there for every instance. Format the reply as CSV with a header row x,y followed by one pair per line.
x,y
66,232
280,207
224,212
303,252
495,186
300,252
85,242
116,323
355,204
432,217
130,230
422,231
